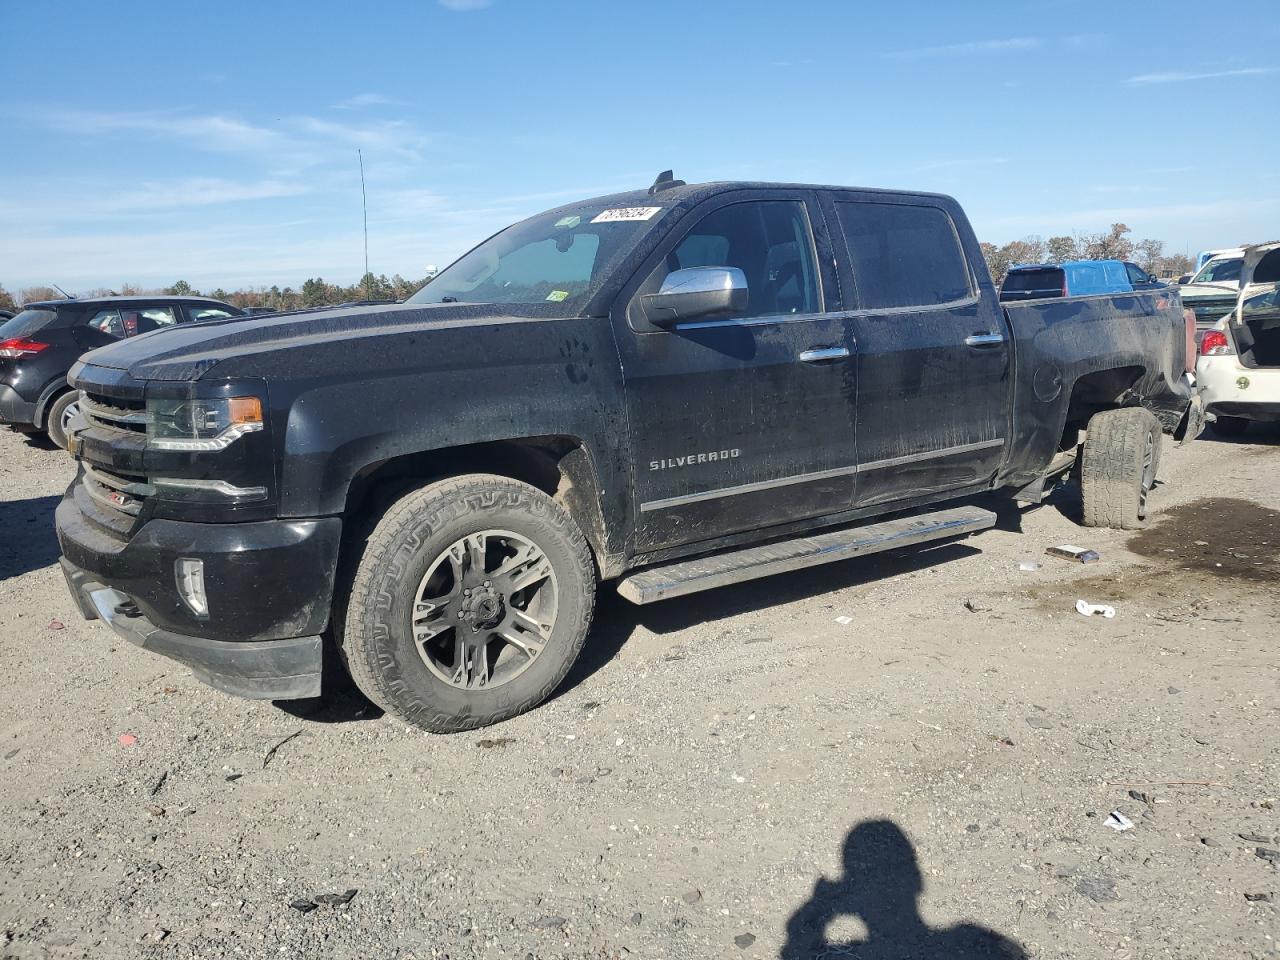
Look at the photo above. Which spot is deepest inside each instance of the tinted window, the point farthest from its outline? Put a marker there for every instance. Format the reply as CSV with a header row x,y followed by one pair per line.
x,y
145,319
768,241
1136,275
108,322
1041,280
25,323
903,256
208,313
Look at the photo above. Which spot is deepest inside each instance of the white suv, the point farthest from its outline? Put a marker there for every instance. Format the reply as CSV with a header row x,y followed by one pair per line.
x,y
1239,365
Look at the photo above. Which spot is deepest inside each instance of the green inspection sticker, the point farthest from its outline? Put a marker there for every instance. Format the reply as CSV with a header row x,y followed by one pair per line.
x,y
556,296
568,221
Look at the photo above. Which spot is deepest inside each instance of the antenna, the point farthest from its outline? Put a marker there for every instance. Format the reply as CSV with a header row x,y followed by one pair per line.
x,y
61,291
364,203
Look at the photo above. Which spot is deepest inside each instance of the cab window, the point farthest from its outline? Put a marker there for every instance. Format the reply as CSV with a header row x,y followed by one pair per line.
x,y
108,322
768,240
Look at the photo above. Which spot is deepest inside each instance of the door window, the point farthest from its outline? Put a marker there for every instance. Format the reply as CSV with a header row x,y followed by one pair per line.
x,y
903,256
1136,275
146,319
108,322
769,241
208,313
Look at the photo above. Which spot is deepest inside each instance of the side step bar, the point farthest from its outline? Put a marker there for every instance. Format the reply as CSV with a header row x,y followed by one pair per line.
x,y
706,573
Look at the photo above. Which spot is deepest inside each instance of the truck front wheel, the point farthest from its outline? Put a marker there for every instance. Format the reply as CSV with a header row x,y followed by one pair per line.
x,y
1118,468
470,603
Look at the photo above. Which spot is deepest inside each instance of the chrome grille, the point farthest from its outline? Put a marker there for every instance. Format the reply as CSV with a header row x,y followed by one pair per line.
x,y
123,494
114,414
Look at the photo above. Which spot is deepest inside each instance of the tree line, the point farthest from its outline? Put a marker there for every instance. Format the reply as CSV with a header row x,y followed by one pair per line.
x,y
314,292
1113,244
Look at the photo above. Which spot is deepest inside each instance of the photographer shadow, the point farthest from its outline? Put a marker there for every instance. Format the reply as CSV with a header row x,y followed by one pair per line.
x,y
881,887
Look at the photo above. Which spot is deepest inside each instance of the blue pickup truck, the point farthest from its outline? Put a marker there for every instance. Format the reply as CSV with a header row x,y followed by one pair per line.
x,y
1074,278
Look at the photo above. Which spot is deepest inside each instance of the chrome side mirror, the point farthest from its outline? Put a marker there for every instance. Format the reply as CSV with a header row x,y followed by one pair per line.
x,y
695,293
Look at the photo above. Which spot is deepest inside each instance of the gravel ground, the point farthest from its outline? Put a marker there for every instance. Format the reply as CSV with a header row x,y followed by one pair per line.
x,y
744,773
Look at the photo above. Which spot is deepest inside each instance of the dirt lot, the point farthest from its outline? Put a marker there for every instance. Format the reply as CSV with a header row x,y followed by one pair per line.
x,y
739,774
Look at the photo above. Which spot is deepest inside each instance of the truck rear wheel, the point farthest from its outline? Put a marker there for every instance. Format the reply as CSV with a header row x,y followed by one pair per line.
x,y
61,412
1118,468
469,605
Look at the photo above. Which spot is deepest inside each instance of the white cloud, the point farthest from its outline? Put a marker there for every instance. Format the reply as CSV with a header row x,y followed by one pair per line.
x,y
462,5
1180,76
967,49
361,100
76,203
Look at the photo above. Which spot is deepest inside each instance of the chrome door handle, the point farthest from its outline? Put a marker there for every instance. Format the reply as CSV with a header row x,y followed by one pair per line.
x,y
819,354
984,340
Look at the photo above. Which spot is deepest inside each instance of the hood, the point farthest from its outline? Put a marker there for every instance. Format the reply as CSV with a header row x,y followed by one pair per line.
x,y
1204,291
192,351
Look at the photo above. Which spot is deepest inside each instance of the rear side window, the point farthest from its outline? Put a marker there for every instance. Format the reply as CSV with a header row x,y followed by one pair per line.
x,y
146,319
26,323
1048,281
108,322
903,256
208,313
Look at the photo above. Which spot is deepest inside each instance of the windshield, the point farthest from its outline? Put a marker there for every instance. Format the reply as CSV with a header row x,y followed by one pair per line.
x,y
25,324
1220,271
554,259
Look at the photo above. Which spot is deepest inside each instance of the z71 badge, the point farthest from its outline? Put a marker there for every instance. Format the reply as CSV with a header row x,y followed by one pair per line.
x,y
690,459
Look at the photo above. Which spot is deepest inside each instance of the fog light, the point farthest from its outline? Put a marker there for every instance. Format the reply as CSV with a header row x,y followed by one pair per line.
x,y
190,576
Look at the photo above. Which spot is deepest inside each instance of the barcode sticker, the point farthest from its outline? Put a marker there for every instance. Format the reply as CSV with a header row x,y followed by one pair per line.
x,y
625,213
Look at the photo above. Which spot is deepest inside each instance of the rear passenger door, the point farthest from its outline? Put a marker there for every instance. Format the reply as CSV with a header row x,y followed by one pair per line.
x,y
933,356
741,422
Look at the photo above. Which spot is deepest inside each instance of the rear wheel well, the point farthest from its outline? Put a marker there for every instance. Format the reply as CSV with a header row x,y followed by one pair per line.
x,y
1094,392
559,466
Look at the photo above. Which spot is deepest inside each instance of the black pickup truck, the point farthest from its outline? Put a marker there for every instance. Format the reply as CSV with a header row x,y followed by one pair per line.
x,y
672,388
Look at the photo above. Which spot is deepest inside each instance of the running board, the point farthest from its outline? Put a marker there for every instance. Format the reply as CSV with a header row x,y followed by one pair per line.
x,y
706,573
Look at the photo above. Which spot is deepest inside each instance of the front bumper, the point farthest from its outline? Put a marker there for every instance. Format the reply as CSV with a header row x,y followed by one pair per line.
x,y
269,586
15,410
266,670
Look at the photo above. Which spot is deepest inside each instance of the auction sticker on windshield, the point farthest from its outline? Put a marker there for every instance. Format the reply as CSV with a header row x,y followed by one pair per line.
x,y
625,213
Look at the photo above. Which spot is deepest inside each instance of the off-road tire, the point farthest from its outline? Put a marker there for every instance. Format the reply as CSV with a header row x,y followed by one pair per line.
x,y
53,418
1230,426
1114,475
374,636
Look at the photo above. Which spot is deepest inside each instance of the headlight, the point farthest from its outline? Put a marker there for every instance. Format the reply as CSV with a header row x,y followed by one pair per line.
x,y
201,424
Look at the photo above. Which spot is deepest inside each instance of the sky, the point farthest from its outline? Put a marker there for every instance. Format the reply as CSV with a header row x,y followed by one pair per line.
x,y
217,143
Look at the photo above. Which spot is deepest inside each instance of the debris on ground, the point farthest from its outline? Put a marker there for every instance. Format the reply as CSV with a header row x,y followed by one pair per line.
x,y
126,739
1077,554
270,755
744,940
1141,797
1256,838
1098,889
1040,723
549,923
1028,566
57,625
302,906
156,810
1089,609
1118,822
974,607
844,621
495,742
336,899
1258,897
155,787
1271,856
692,897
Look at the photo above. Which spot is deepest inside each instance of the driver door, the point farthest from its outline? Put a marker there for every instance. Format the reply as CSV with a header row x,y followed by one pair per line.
x,y
745,421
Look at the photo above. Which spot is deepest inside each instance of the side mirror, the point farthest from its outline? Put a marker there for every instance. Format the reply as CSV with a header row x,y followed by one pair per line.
x,y
695,293
1185,278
